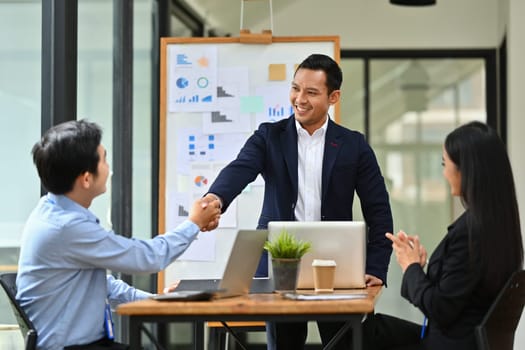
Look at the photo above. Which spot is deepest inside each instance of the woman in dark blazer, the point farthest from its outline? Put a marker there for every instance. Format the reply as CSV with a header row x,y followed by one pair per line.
x,y
480,251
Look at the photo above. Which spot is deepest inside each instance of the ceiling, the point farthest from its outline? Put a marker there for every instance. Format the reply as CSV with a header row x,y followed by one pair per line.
x,y
224,16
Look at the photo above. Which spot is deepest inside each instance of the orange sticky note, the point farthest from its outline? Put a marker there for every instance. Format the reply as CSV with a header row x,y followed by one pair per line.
x,y
277,72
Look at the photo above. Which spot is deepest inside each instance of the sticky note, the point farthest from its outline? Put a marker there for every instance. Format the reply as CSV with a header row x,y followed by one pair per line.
x,y
252,104
277,72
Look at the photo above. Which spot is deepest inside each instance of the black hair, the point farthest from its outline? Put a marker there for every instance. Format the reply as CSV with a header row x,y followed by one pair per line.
x,y
334,75
66,151
489,195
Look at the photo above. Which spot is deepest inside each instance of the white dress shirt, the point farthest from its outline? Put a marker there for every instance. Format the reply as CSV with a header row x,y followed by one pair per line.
x,y
309,170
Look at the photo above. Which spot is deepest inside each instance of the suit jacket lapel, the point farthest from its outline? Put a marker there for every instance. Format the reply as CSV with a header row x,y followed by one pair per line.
x,y
289,148
333,144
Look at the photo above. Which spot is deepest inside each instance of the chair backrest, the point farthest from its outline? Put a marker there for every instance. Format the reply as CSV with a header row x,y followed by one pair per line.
x,y
496,331
8,282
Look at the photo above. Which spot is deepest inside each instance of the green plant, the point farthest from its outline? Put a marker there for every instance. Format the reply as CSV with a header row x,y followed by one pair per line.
x,y
287,246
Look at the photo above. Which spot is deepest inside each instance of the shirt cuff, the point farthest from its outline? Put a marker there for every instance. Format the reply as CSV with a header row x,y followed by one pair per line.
x,y
187,229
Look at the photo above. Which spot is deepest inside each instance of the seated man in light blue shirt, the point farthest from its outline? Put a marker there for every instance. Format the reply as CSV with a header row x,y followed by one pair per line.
x,y
62,281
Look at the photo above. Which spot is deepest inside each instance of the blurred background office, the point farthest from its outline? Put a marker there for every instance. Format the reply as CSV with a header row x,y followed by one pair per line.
x,y
411,74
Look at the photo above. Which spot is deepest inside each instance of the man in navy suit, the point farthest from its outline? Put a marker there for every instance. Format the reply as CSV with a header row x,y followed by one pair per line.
x,y
312,167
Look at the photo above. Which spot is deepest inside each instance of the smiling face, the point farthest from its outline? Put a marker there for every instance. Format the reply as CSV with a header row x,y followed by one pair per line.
x,y
452,174
310,98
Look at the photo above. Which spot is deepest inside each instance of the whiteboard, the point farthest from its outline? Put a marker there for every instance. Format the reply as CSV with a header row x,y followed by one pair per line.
x,y
214,93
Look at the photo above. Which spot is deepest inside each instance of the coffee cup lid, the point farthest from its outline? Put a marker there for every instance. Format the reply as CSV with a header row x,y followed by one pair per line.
x,y
323,262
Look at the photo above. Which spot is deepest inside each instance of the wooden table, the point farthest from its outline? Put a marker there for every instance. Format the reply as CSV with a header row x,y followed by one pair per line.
x,y
251,307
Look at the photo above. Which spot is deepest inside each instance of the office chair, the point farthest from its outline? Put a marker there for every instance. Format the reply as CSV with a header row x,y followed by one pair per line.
x,y
8,282
497,328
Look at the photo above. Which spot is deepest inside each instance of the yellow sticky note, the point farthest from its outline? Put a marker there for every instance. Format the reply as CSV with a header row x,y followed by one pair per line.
x,y
277,72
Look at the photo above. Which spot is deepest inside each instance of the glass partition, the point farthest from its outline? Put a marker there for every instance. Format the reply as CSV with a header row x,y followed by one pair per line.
x,y
414,104
20,52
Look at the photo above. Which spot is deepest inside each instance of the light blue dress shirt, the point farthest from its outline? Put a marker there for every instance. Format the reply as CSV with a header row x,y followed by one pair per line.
x,y
62,279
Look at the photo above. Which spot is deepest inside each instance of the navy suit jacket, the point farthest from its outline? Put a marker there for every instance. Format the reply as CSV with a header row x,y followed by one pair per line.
x,y
349,165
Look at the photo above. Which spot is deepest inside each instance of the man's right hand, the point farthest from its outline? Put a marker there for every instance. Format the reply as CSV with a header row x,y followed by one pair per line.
x,y
205,201
205,213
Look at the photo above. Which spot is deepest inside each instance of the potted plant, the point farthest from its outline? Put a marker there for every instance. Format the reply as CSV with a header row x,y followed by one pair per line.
x,y
286,252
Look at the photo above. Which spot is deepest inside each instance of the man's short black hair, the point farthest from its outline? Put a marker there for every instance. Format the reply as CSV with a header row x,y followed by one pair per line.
x,y
66,151
334,75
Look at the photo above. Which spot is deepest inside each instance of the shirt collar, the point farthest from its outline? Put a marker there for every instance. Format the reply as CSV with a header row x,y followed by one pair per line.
x,y
321,130
69,204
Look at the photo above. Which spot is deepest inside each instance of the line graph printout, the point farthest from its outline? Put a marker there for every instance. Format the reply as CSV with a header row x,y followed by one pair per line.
x,y
193,78
277,104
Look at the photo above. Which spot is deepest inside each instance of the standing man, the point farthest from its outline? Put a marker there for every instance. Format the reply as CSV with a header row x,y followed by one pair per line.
x,y
312,167
62,281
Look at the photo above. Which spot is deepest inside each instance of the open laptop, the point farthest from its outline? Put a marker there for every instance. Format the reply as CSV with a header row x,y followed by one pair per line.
x,y
238,273
342,241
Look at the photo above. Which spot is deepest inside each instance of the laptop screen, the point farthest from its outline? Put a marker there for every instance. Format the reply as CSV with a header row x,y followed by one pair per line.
x,y
242,263
342,241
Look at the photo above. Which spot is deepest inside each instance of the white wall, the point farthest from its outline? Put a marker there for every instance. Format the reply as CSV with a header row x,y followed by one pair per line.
x,y
516,114
503,18
366,24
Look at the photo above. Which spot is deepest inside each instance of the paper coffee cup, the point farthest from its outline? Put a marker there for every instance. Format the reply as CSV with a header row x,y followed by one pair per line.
x,y
324,272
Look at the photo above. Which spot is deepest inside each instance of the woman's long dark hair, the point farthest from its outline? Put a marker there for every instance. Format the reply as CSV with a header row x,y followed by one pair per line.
x,y
487,190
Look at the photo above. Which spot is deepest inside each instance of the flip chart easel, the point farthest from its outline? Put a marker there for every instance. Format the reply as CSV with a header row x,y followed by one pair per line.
x,y
253,73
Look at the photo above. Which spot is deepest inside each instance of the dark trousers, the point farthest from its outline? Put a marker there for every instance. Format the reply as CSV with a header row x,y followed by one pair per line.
x,y
387,332
102,344
292,335
381,332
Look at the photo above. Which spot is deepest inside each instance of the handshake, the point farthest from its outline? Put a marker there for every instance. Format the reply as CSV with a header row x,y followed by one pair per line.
x,y
206,212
